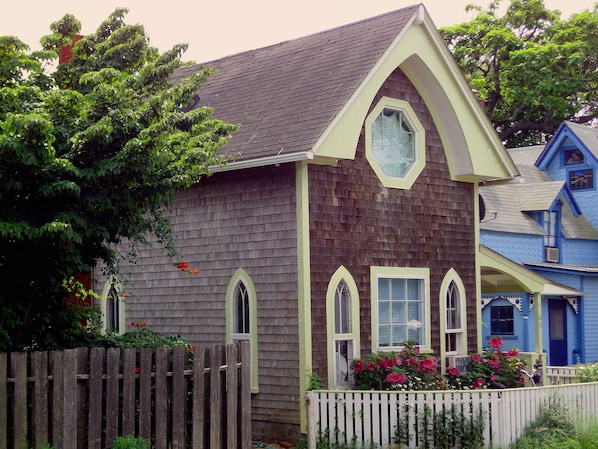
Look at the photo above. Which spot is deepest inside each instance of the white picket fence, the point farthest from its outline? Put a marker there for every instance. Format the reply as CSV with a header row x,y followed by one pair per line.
x,y
416,418
560,375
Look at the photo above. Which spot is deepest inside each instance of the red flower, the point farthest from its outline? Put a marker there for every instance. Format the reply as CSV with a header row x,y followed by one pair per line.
x,y
137,369
494,362
452,371
496,342
513,353
371,366
427,365
183,266
396,378
478,383
477,358
398,360
359,366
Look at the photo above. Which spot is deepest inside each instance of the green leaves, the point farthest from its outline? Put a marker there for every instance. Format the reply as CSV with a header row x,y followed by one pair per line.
x,y
532,69
90,156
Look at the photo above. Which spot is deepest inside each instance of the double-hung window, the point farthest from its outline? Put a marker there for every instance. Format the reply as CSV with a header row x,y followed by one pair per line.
x,y
401,306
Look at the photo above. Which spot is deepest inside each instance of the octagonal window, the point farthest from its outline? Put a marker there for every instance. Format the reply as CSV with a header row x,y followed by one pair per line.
x,y
395,143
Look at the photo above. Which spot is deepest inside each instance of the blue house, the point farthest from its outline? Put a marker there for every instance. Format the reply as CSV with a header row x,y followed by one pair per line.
x,y
539,250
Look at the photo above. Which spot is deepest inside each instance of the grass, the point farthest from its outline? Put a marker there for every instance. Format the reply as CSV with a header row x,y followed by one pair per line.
x,y
556,429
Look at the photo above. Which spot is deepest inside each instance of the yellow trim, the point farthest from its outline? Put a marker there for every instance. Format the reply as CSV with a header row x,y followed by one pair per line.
x,y
342,274
113,281
420,143
478,268
304,283
242,276
452,276
472,147
399,272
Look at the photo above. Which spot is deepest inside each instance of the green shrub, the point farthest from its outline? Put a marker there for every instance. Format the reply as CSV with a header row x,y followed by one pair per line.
x,y
587,373
129,442
586,431
142,337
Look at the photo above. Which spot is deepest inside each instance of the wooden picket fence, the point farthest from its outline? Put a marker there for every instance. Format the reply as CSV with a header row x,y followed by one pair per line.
x,y
85,397
430,419
560,375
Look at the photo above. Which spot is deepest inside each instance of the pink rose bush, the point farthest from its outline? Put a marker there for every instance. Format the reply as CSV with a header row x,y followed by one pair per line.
x,y
409,369
404,370
494,368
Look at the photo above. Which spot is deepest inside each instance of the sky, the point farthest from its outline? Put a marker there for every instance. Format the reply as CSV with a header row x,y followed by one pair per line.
x,y
217,28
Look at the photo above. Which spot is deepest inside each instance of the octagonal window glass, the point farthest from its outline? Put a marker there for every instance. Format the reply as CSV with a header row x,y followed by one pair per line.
x,y
393,143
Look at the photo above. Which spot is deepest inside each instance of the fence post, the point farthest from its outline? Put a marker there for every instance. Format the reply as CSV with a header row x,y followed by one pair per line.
x,y
232,400
69,400
40,398
245,395
311,419
179,397
161,411
199,397
19,373
215,398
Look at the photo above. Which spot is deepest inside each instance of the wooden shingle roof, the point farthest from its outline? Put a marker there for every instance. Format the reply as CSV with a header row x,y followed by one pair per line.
x,y
285,95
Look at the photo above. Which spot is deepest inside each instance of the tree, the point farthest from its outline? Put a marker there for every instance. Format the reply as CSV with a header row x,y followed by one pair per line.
x,y
91,155
532,69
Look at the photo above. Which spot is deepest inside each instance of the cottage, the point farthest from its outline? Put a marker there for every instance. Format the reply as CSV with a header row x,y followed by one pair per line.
x,y
545,225
346,220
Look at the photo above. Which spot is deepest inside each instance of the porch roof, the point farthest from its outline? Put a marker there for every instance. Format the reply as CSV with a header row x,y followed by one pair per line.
x,y
500,275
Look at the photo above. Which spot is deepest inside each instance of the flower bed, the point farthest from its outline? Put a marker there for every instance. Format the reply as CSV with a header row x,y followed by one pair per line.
x,y
410,369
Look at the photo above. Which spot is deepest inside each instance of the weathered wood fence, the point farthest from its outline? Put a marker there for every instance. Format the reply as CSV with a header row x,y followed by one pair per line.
x,y
85,397
428,419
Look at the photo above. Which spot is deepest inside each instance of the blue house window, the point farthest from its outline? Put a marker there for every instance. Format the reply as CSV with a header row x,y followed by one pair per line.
x,y
572,157
502,321
551,227
581,179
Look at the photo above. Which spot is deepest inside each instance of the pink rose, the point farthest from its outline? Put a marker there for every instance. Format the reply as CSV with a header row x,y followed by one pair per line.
x,y
477,358
359,366
452,371
396,378
496,342
427,365
513,353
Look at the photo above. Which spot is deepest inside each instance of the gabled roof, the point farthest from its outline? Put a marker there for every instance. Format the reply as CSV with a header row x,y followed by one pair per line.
x,y
509,204
285,95
308,98
583,137
541,196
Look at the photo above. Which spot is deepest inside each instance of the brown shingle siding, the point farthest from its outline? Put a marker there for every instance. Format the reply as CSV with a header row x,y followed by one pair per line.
x,y
358,223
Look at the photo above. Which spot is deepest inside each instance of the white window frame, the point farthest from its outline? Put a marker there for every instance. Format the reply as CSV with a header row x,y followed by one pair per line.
x,y
341,275
452,278
409,115
113,284
422,274
241,277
